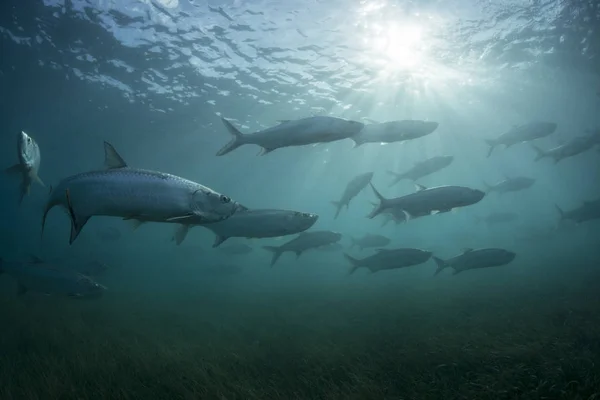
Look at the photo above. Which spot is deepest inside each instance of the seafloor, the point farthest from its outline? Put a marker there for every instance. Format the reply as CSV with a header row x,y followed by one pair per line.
x,y
537,337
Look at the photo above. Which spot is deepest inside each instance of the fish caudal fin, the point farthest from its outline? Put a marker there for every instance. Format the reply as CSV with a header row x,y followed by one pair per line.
x,y
180,233
276,253
441,265
380,206
539,153
237,140
355,263
77,223
492,144
338,207
219,240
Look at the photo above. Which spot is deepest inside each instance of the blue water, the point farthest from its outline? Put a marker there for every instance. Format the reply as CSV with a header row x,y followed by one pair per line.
x,y
154,78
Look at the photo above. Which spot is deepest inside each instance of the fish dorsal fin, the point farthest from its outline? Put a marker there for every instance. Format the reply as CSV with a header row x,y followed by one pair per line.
x,y
35,259
112,159
420,187
467,250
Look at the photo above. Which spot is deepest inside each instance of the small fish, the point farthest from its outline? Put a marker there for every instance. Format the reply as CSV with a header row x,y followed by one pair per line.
x,y
353,188
394,131
422,169
475,259
522,133
136,194
510,185
236,249
427,201
303,242
370,240
572,148
256,223
38,276
386,259
301,132
28,166
589,210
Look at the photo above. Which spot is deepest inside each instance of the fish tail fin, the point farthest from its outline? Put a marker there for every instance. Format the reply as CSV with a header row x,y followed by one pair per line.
x,y
560,212
338,208
25,188
276,253
379,207
25,180
237,140
492,144
539,153
355,263
77,223
180,233
35,177
441,265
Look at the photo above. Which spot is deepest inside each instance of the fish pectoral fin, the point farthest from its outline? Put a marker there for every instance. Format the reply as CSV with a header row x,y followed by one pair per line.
x,y
298,254
180,233
264,151
21,289
15,169
135,223
419,187
112,159
75,295
36,178
77,223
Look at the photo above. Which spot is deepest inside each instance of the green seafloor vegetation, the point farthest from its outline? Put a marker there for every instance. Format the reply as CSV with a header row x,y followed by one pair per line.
x,y
462,337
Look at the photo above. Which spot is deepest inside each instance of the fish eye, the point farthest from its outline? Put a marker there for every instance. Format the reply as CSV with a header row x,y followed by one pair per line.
x,y
225,199
29,140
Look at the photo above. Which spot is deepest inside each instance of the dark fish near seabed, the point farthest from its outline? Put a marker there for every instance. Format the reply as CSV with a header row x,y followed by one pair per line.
x,y
589,210
38,276
422,169
510,185
236,249
303,242
389,259
475,259
29,156
427,201
498,218
140,195
394,131
572,148
301,132
370,240
255,223
353,188
522,133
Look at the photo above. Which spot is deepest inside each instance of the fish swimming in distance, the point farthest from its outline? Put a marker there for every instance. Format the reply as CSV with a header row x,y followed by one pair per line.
x,y
522,133
304,241
29,156
41,277
353,188
255,223
136,194
475,259
422,169
427,201
301,132
572,148
510,185
370,240
386,259
588,211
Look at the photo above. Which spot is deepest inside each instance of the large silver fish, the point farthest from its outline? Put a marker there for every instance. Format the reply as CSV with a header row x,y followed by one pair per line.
x,y
303,242
394,131
385,259
28,166
422,168
142,195
256,223
301,132
38,276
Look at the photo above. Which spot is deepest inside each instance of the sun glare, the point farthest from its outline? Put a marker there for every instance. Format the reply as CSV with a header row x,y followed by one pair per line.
x,y
400,46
